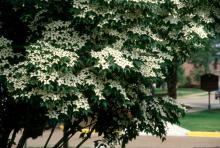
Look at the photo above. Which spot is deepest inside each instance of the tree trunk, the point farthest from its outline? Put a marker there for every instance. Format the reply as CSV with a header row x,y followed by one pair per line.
x,y
5,129
4,137
51,133
23,139
72,130
123,145
11,142
172,81
65,134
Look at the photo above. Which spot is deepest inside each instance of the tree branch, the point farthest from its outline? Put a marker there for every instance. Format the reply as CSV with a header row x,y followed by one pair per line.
x,y
72,131
23,139
86,138
51,133
67,139
12,138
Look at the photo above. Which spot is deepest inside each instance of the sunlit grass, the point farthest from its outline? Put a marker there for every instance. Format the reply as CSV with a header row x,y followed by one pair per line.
x,y
202,121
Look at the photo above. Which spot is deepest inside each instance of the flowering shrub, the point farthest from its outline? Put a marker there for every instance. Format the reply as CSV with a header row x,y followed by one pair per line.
x,y
100,63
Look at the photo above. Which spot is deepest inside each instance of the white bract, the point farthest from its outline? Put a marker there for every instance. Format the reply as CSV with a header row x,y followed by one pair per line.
x,y
106,56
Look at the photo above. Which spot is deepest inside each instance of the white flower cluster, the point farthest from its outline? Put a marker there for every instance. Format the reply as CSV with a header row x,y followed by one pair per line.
x,y
119,44
150,64
173,19
61,34
48,59
148,1
17,76
147,31
145,1
43,94
24,80
117,55
88,78
205,15
84,77
139,30
6,52
80,5
81,102
53,114
194,28
108,14
44,56
163,55
4,42
86,7
118,86
120,35
178,3
68,80
173,102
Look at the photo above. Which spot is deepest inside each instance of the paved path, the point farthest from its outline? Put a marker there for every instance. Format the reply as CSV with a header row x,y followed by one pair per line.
x,y
199,101
173,130
140,142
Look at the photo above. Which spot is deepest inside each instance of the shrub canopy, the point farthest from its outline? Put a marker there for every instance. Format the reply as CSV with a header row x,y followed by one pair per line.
x,y
98,59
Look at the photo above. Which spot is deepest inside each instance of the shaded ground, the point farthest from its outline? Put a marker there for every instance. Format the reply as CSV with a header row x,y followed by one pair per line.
x,y
197,101
140,142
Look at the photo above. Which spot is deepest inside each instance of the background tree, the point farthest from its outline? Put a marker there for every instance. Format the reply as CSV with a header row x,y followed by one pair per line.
x,y
207,13
187,33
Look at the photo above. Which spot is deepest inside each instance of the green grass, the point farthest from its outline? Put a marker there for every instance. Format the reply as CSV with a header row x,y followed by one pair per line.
x,y
202,121
205,94
188,91
181,91
160,91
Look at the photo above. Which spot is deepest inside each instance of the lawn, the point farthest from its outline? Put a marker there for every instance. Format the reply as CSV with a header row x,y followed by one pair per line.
x,y
160,91
188,91
202,121
181,91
